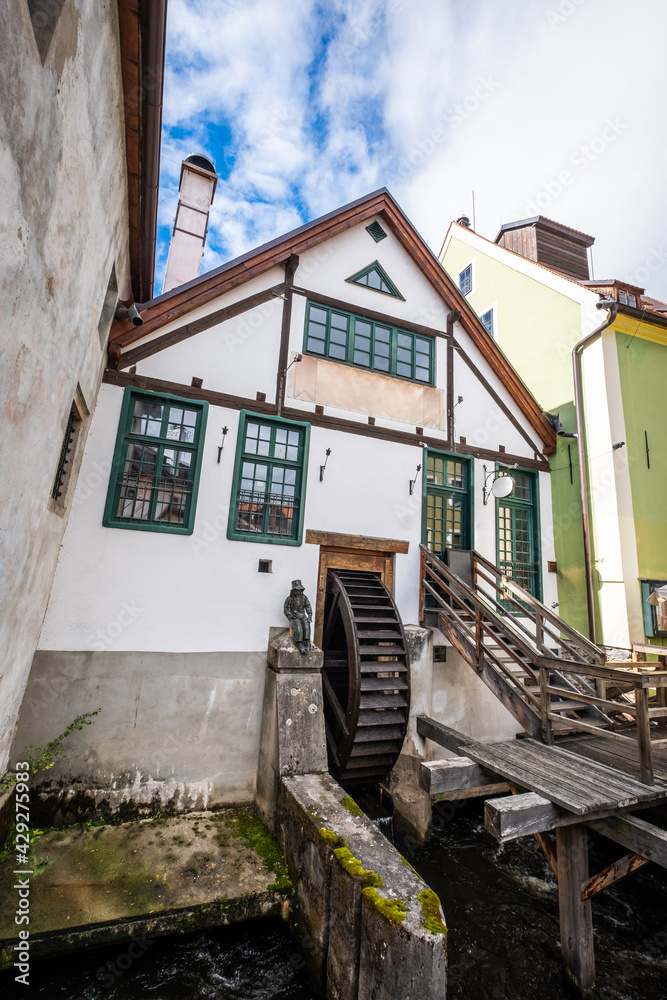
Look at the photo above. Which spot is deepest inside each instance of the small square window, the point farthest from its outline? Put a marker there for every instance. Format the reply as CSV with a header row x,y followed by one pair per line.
x,y
265,566
465,280
69,454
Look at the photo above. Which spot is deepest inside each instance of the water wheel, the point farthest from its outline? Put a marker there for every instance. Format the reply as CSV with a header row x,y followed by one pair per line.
x,y
366,678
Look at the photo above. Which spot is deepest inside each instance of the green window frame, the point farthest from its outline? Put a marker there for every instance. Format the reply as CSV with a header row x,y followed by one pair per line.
x,y
655,622
366,343
270,474
376,278
518,534
156,463
447,502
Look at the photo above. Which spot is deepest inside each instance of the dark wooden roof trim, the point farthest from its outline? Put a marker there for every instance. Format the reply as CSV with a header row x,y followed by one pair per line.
x,y
319,419
142,29
368,542
196,293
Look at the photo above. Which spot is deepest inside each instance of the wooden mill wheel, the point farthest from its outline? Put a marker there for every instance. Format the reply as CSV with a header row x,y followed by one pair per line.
x,y
366,678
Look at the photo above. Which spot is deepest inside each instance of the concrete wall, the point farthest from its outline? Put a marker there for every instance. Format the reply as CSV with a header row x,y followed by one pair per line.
x,y
179,730
63,222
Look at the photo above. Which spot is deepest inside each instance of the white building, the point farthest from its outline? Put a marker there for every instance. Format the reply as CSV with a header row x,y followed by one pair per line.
x,y
176,563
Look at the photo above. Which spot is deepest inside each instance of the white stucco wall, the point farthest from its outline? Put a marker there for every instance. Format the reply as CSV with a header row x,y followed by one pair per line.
x,y
64,224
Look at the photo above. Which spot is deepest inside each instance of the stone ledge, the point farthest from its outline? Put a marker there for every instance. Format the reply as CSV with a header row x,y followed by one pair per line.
x,y
372,926
284,657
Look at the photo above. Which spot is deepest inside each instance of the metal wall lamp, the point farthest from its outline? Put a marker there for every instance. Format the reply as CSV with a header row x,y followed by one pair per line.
x,y
413,482
502,485
323,467
222,444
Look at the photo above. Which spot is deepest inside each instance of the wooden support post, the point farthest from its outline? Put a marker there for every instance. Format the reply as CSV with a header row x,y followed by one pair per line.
x,y
644,736
545,703
539,629
576,921
662,702
479,637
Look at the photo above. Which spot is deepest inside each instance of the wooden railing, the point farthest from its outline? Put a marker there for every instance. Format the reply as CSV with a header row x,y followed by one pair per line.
x,y
543,652
638,683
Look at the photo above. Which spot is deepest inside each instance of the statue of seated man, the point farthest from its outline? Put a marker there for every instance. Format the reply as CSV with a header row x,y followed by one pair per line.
x,y
299,614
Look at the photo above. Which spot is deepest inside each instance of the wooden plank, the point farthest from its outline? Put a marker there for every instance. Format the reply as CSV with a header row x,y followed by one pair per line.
x,y
455,774
576,918
612,873
580,786
629,677
337,539
637,835
475,792
527,814
448,738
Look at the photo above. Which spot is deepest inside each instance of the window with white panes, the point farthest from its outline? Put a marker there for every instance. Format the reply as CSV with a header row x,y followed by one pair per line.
x,y
268,477
156,465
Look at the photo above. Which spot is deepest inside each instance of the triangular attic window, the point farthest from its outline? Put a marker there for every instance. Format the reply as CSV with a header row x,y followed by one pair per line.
x,y
374,276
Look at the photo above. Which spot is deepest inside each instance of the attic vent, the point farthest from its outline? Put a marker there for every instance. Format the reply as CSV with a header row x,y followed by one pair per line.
x,y
376,231
44,17
374,276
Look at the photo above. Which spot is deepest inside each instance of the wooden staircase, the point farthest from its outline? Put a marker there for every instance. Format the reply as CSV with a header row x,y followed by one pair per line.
x,y
552,679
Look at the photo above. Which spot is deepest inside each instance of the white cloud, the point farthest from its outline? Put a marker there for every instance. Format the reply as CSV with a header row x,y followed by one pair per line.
x,y
305,106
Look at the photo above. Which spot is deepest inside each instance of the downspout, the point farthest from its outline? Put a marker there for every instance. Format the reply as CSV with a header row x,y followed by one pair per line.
x,y
612,306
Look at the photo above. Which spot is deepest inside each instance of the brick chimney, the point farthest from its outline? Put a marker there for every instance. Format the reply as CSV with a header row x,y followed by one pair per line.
x,y
556,246
195,197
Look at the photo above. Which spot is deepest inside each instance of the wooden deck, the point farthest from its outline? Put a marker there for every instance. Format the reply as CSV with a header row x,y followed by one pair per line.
x,y
575,781
622,757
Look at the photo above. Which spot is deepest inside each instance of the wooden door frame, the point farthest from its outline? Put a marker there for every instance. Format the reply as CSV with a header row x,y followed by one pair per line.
x,y
352,552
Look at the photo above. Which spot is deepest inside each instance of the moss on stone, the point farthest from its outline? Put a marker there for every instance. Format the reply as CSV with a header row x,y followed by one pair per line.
x,y
355,868
393,910
431,917
250,828
408,865
332,838
348,802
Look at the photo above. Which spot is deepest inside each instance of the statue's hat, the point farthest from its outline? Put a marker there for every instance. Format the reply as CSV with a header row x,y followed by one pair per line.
x,y
297,585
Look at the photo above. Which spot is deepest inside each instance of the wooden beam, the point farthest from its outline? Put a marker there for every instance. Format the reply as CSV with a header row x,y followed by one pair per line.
x,y
448,738
497,400
612,873
356,427
458,778
527,814
637,835
291,265
548,845
576,919
198,326
337,539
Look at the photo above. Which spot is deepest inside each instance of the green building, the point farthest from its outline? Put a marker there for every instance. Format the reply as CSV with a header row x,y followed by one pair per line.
x,y
532,289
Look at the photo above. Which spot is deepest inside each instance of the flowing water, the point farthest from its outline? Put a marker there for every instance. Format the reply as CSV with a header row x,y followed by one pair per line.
x,y
501,905
254,961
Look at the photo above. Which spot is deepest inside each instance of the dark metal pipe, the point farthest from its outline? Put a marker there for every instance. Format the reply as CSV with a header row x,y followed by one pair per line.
x,y
612,306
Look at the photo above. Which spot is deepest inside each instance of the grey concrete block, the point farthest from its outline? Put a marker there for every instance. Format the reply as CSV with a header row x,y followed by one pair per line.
x,y
293,739
364,909
283,654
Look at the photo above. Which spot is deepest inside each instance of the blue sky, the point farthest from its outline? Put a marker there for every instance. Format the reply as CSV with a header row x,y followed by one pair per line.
x,y
554,107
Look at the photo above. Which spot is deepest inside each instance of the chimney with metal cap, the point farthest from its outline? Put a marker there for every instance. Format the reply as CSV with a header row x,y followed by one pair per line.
x,y
196,192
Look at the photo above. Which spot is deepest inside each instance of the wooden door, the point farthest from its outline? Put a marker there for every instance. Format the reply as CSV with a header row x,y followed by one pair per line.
x,y
332,557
